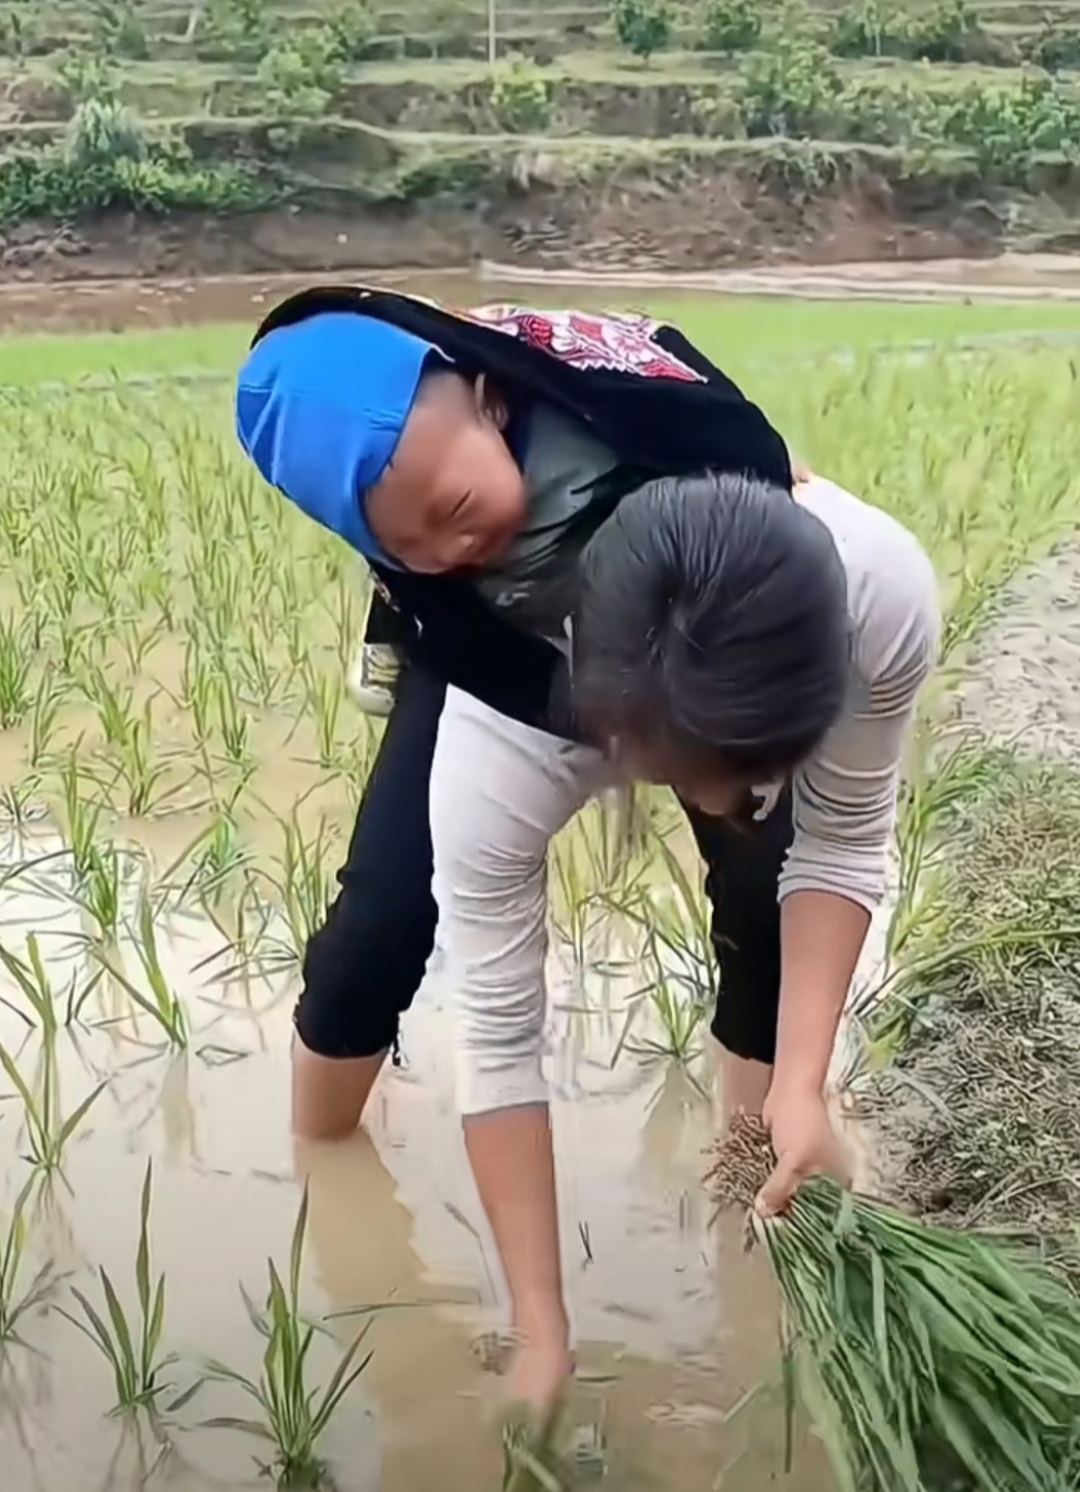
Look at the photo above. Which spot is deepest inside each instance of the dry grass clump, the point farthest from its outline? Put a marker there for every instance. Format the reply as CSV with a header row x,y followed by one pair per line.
x,y
989,1130
927,1359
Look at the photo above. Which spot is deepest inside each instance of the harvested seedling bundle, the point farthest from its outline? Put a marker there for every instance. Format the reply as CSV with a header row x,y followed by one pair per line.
x,y
928,1359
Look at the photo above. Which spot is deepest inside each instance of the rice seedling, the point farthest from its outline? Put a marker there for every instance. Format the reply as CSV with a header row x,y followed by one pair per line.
x,y
305,887
574,906
294,1415
256,666
112,701
80,815
17,648
132,1347
926,1358
531,1462
100,892
43,718
139,770
346,614
47,1132
31,977
675,918
234,723
35,985
162,1005
17,1301
680,1018
325,696
197,688
137,640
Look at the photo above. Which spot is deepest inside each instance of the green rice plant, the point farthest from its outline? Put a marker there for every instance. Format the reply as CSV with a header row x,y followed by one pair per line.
x,y
576,900
197,691
141,774
593,868
937,786
256,665
531,1462
234,723
294,1416
162,1005
17,648
325,697
137,640
926,1358
132,1348
15,1301
99,893
43,717
675,919
80,815
346,614
47,1131
679,1015
305,887
33,980
114,703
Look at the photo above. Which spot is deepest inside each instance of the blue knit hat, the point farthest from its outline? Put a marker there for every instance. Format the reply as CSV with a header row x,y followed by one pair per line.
x,y
320,407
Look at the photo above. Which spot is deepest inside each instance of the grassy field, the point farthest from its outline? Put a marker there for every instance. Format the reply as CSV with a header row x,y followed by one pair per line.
x,y
741,334
177,749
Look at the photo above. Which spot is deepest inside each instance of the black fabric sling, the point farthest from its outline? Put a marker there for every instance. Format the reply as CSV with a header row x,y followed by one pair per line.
x,y
643,389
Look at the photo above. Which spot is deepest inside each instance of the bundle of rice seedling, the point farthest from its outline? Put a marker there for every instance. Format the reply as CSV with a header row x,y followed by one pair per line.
x,y
531,1462
928,1359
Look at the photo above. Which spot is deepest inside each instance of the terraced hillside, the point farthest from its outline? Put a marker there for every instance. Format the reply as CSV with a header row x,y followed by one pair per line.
x,y
636,132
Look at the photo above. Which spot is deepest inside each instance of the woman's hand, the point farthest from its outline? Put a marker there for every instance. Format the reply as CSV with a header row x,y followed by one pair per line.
x,y
805,1144
542,1366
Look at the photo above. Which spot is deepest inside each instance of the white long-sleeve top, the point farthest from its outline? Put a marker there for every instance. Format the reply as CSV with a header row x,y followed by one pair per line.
x,y
845,795
500,791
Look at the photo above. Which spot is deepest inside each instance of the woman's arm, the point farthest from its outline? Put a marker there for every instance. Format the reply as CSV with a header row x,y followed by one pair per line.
x,y
845,810
499,791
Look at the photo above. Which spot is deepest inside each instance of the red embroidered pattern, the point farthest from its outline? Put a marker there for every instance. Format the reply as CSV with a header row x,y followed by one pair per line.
x,y
623,344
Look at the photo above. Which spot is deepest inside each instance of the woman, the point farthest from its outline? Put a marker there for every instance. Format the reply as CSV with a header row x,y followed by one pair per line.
x,y
598,570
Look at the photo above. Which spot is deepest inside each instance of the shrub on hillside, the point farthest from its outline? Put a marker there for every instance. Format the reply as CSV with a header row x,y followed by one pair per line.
x,y
1006,127
948,32
731,25
791,90
875,114
643,26
86,77
351,26
44,184
302,76
18,36
118,31
521,98
101,133
869,29
239,27
1057,47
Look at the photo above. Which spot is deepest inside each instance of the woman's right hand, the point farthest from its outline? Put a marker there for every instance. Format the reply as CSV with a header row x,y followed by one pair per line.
x,y
542,1366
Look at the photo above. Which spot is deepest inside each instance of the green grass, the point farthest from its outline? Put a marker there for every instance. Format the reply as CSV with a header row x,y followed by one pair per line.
x,y
740,332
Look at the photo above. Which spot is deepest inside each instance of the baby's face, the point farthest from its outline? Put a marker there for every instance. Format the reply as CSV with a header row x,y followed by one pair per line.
x,y
453,497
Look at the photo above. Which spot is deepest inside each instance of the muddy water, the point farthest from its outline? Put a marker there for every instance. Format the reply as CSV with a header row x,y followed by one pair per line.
x,y
117,305
673,1322
666,1307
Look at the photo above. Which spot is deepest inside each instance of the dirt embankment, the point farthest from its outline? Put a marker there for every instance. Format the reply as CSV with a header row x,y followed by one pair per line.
x,y
683,218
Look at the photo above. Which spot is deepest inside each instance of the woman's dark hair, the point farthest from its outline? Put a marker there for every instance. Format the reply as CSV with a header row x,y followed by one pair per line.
x,y
712,626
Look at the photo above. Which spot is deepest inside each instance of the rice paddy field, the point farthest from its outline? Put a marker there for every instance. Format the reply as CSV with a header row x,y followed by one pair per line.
x,y
180,763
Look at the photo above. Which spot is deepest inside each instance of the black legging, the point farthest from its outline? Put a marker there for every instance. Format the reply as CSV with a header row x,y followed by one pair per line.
x,y
363,967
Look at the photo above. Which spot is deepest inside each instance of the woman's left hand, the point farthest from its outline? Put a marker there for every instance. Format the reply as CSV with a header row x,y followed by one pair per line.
x,y
805,1144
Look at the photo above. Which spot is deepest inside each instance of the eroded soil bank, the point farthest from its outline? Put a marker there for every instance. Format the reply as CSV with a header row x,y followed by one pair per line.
x,y
679,218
